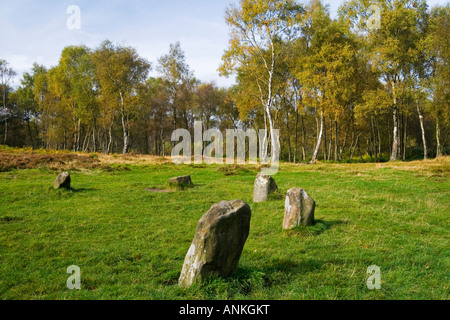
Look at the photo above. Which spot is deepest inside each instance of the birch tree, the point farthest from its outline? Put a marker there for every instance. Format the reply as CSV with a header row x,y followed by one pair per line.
x,y
438,53
119,70
176,75
6,76
73,82
393,44
261,32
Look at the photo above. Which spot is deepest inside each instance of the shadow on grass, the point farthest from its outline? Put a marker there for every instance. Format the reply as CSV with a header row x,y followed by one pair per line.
x,y
180,187
248,280
82,190
237,170
318,228
197,185
283,267
277,196
9,219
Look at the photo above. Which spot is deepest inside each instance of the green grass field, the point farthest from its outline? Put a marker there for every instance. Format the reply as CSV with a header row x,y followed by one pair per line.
x,y
130,243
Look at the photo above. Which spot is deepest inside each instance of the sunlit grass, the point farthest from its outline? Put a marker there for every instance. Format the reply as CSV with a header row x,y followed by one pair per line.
x,y
130,243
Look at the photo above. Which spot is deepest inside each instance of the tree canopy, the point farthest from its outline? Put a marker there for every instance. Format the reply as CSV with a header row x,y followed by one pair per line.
x,y
371,84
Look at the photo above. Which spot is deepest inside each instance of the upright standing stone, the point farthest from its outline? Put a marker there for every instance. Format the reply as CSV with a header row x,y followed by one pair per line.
x,y
218,243
299,209
264,185
62,181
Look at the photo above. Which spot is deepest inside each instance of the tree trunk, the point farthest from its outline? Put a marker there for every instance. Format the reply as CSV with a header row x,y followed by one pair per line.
x,y
75,136
319,140
330,146
6,130
6,113
296,137
389,135
125,135
264,147
303,139
374,140
395,140
289,137
422,127
439,152
109,150
353,149
30,133
352,146
64,142
359,150
161,141
396,137
36,132
405,137
379,139
94,138
336,143
86,142
124,127
273,137
344,144
324,137
78,135
175,120
317,129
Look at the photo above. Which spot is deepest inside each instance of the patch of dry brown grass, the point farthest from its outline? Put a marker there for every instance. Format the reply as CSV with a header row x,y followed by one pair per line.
x,y
61,161
436,167
132,159
14,158
439,167
28,158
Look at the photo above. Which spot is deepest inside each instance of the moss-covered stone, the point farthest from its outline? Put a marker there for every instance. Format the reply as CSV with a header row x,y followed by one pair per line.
x,y
264,186
62,181
299,209
218,243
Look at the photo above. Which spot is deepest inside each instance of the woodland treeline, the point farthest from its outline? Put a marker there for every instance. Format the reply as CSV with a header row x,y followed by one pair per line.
x,y
353,88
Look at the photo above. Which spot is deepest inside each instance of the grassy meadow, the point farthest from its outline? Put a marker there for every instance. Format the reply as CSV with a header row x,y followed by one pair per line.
x,y
130,242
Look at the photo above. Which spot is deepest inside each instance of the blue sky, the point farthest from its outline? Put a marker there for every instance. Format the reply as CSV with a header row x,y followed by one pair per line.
x,y
36,31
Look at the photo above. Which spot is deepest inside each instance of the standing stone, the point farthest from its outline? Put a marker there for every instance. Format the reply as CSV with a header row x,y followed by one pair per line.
x,y
264,185
180,183
299,209
218,243
62,181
